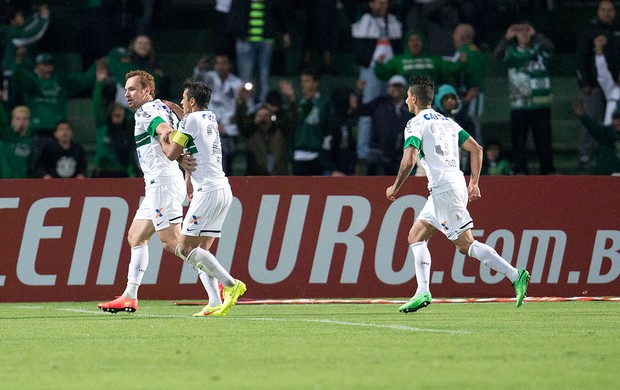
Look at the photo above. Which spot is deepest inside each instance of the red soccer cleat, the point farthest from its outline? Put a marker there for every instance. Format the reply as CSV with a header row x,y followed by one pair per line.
x,y
119,304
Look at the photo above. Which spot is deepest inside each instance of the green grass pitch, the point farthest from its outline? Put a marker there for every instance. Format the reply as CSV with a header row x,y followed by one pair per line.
x,y
542,345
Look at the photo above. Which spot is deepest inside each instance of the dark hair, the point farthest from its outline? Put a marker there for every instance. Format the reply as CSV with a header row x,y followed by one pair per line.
x,y
8,13
274,97
199,91
312,72
63,121
423,88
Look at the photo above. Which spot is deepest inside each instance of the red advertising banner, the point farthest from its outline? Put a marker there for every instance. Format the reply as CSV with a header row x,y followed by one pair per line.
x,y
313,237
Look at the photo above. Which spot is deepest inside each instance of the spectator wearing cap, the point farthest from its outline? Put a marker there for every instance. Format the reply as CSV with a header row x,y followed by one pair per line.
x,y
389,116
46,91
17,34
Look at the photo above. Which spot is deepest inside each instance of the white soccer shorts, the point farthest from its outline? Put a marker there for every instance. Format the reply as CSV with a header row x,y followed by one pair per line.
x,y
447,212
163,204
207,212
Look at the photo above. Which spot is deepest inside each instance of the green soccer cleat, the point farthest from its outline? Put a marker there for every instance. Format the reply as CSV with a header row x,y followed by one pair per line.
x,y
520,285
416,303
231,294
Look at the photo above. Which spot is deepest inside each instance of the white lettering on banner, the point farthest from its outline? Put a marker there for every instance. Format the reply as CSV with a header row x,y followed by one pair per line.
x,y
225,245
329,236
85,240
458,264
34,232
600,252
7,203
386,241
265,222
543,237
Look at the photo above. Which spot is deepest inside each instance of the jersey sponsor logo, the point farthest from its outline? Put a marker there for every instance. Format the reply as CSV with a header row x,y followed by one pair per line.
x,y
433,115
194,220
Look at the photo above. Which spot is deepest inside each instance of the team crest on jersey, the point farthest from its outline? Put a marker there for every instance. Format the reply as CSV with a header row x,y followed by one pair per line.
x,y
183,121
142,113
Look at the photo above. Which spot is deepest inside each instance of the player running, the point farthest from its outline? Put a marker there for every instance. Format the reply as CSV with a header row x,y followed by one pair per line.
x,y
436,139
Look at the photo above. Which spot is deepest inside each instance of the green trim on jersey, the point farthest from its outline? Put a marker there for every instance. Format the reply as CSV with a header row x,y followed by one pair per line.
x,y
142,139
191,147
415,142
463,135
153,126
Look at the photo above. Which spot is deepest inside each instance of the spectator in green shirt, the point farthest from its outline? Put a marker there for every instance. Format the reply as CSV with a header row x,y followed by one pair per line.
x,y
526,54
15,146
45,92
416,61
18,33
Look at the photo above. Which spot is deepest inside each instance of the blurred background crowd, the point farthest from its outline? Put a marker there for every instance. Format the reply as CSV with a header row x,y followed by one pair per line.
x,y
317,87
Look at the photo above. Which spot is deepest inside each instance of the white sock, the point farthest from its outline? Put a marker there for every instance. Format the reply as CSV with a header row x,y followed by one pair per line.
x,y
489,257
211,285
137,266
209,282
206,262
422,261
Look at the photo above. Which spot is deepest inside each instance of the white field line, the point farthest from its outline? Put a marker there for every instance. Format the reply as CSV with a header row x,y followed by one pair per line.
x,y
322,321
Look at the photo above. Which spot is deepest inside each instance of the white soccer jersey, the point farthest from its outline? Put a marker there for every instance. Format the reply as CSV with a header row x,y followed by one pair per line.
x,y
438,140
199,135
153,161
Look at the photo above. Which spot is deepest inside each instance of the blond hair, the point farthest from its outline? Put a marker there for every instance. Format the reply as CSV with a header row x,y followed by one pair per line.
x,y
20,110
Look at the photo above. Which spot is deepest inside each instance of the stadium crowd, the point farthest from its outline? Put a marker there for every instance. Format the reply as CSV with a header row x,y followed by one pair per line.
x,y
351,130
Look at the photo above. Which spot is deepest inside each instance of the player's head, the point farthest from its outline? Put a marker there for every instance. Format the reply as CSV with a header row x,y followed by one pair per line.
x,y
196,95
139,88
420,94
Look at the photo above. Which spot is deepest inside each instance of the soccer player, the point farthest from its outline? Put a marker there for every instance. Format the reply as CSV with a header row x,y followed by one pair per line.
x,y
211,196
434,140
161,211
